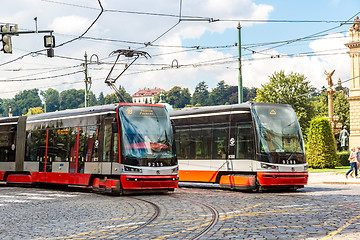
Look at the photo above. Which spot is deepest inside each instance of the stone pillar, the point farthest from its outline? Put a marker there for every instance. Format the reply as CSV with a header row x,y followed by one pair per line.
x,y
330,93
354,95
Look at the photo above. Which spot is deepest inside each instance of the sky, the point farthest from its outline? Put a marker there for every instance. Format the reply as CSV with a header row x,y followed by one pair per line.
x,y
189,41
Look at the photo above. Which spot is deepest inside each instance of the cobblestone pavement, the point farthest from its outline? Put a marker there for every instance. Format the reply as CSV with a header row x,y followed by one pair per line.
x,y
319,211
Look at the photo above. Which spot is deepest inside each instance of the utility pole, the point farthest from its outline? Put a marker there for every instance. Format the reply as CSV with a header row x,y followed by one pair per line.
x,y
86,82
240,88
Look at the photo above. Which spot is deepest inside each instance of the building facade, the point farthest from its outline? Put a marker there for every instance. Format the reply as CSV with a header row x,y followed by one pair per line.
x,y
354,93
146,95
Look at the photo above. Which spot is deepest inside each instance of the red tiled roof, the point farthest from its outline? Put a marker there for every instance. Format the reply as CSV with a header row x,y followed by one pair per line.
x,y
148,92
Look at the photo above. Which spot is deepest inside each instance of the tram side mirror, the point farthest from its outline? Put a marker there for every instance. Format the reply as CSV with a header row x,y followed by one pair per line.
x,y
114,126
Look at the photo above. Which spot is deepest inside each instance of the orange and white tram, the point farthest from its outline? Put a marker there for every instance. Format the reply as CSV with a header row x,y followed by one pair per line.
x,y
112,148
245,146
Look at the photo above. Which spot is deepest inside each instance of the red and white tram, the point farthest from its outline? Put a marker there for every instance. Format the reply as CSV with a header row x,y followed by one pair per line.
x,y
113,148
244,146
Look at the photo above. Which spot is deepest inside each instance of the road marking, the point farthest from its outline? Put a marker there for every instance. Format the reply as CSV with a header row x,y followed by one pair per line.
x,y
341,228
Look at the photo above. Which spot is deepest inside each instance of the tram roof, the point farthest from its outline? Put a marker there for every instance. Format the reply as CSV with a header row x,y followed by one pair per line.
x,y
210,109
222,108
9,119
72,112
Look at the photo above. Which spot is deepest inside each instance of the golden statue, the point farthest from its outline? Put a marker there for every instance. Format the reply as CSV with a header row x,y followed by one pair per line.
x,y
328,78
355,26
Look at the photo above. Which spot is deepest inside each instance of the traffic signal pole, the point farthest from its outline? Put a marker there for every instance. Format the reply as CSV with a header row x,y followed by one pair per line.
x,y
8,30
240,87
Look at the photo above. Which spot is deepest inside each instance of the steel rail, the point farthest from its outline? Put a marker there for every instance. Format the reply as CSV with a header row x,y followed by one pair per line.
x,y
153,217
214,220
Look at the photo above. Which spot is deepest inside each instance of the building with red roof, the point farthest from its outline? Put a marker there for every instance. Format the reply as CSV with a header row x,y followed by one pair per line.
x,y
146,95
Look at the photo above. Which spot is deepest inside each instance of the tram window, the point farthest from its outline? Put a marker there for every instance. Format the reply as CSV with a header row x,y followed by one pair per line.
x,y
7,143
220,119
107,143
115,147
35,147
220,142
71,146
182,142
88,145
111,145
200,120
201,138
245,141
57,147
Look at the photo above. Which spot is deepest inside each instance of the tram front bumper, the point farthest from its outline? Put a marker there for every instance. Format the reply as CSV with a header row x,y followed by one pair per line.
x,y
282,179
149,182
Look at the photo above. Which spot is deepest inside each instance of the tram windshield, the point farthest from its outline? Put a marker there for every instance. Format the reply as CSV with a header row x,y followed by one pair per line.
x,y
278,129
147,137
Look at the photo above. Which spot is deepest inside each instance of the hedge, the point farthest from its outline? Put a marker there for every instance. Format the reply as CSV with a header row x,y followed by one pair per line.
x,y
321,144
343,158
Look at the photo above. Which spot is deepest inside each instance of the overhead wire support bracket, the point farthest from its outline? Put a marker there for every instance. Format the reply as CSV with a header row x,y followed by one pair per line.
x,y
129,54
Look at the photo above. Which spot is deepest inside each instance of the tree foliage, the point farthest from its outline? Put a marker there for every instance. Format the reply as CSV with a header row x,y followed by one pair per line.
x,y
52,99
289,89
321,151
201,95
24,100
72,98
342,108
177,97
33,111
218,95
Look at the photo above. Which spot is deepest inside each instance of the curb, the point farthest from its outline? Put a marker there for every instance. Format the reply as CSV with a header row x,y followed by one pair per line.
x,y
335,183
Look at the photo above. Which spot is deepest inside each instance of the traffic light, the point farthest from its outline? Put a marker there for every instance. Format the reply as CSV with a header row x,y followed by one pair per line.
x,y
6,38
6,32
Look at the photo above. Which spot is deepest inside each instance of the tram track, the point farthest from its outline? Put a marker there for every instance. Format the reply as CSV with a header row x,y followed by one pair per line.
x,y
149,221
214,218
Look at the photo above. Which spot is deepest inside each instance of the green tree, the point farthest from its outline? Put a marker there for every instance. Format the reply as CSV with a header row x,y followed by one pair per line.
x,y
72,98
342,108
249,94
52,99
33,111
320,104
111,98
289,89
201,95
321,151
101,99
24,100
232,95
177,97
218,95
92,99
125,94
5,103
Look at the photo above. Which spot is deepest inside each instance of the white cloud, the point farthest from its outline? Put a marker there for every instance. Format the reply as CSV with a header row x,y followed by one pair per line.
x,y
70,24
257,72
144,28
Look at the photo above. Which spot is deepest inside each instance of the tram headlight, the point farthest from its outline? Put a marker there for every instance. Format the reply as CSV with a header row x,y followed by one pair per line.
x,y
306,168
132,169
175,169
268,166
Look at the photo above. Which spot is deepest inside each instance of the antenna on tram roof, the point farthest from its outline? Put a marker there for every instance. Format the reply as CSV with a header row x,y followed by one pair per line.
x,y
129,54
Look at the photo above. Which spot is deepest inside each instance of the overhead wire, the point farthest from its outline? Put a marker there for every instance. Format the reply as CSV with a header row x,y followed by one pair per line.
x,y
40,73
156,39
40,78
